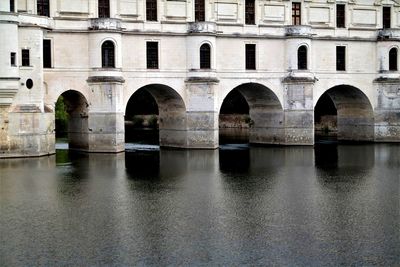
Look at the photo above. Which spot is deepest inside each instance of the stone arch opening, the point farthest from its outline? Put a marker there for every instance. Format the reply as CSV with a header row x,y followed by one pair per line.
x,y
156,114
71,119
344,113
251,113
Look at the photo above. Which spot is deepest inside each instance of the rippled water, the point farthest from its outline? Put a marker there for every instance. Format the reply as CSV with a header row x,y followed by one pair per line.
x,y
328,205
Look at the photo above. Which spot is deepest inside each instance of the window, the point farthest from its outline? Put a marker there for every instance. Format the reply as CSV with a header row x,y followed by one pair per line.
x,y
386,17
12,6
199,10
340,58
107,55
205,56
250,56
152,55
25,57
340,16
296,13
104,8
393,59
151,10
43,8
302,58
13,57
46,54
249,12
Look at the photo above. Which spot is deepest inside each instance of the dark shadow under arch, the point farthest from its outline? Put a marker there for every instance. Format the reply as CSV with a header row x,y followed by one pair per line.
x,y
167,106
265,113
354,112
72,119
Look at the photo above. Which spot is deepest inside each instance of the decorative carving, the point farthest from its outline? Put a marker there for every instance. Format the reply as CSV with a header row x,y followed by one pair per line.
x,y
298,30
202,27
105,24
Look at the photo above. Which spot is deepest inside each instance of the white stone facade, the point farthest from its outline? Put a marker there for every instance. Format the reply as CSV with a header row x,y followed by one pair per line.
x,y
281,97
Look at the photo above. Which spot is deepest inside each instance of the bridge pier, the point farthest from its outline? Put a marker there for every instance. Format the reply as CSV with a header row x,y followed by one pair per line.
x,y
387,110
299,112
105,118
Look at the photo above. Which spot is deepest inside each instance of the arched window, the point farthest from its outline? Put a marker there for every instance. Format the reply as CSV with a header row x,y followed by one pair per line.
x,y
302,58
205,56
393,59
107,55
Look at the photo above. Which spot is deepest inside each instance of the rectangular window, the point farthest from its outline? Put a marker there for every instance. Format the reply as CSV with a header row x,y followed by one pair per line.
x,y
152,55
340,58
250,56
25,57
340,16
250,12
43,8
13,57
151,10
199,10
296,13
386,17
12,6
46,54
104,8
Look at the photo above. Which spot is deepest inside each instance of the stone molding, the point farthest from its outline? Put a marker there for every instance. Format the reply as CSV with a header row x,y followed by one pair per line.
x,y
105,79
105,24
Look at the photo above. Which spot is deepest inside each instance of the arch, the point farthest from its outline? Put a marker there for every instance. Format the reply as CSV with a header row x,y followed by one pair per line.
x,y
108,54
205,56
302,57
73,107
265,112
355,115
171,113
393,59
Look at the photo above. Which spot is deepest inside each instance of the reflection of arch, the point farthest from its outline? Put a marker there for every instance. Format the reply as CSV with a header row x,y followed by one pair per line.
x,y
266,113
76,106
172,113
205,56
393,59
302,57
355,116
108,54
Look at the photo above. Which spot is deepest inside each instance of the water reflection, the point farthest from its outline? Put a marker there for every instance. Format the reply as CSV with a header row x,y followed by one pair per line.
x,y
239,205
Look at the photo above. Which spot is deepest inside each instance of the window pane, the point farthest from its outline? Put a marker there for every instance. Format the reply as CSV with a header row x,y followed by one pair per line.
x,y
13,59
43,8
205,57
151,10
199,10
104,8
107,55
386,17
302,58
250,12
25,57
340,58
46,54
340,16
393,59
250,56
152,55
296,13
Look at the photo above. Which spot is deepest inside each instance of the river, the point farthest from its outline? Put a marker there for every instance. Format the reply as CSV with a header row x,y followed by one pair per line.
x,y
239,205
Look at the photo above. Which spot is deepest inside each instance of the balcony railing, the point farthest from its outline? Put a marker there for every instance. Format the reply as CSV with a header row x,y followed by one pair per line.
x,y
298,30
390,33
202,27
105,24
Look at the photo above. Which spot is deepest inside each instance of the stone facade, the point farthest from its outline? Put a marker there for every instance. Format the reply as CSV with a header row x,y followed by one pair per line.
x,y
281,97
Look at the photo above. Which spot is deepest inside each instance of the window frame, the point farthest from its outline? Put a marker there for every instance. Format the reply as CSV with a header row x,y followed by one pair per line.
x,y
199,10
340,17
250,12
103,8
250,56
48,53
151,10
386,20
341,62
205,56
152,55
393,59
108,59
302,57
296,16
25,57
43,8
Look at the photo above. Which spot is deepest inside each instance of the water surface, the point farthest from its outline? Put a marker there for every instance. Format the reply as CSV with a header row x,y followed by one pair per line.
x,y
297,206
